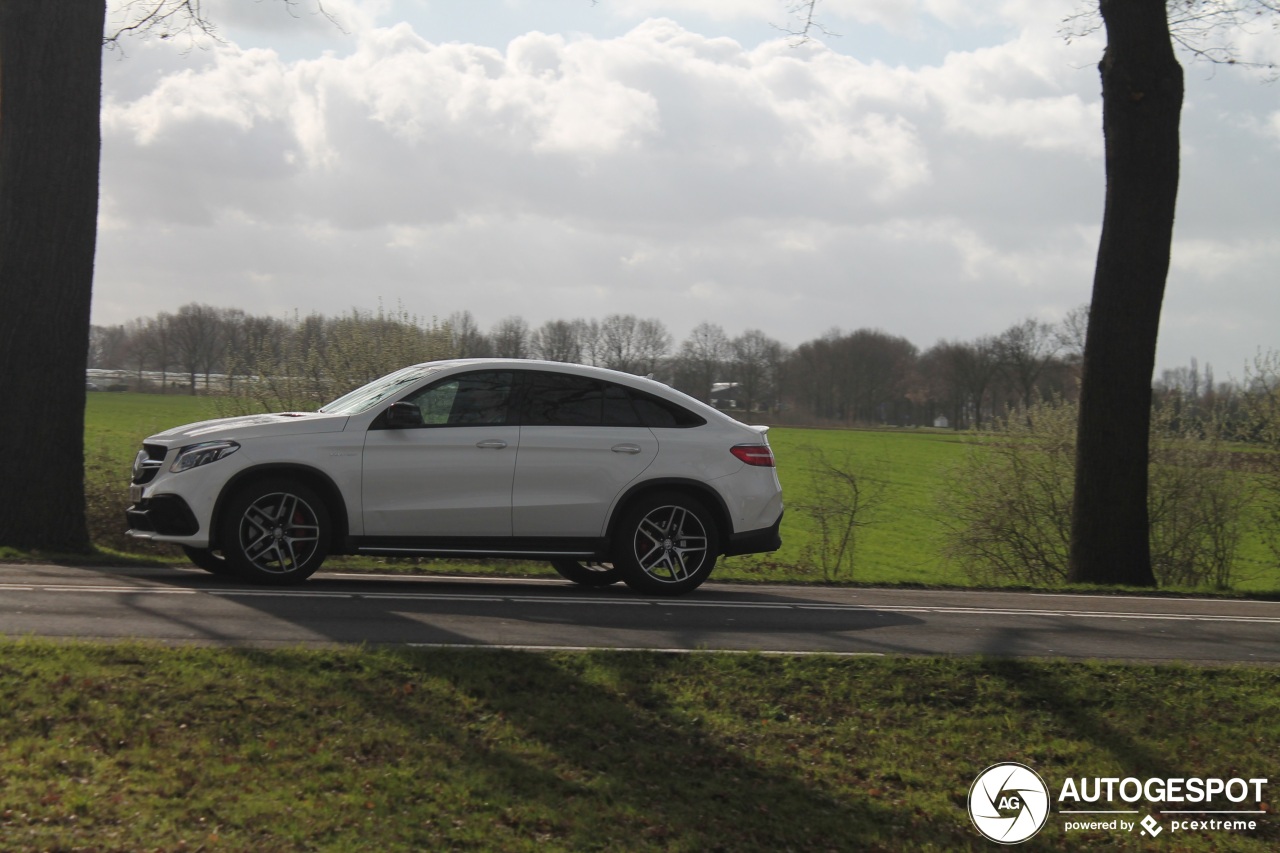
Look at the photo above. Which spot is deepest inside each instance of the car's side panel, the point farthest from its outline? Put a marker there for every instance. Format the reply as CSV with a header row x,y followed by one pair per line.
x,y
568,476
450,481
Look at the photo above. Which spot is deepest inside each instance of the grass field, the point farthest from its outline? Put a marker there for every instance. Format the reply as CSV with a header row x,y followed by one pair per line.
x,y
135,747
901,544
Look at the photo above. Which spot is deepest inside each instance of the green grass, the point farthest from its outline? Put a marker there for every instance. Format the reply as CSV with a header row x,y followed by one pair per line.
x,y
118,422
901,545
131,747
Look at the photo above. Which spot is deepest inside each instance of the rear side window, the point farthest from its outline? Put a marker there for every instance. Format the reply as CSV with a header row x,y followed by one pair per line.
x,y
658,413
619,410
558,399
561,399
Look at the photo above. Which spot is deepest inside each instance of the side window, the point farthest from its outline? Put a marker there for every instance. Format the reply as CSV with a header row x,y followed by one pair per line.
x,y
473,399
618,409
658,413
558,399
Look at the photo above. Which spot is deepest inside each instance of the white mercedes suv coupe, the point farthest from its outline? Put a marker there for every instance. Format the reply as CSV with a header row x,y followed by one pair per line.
x,y
605,475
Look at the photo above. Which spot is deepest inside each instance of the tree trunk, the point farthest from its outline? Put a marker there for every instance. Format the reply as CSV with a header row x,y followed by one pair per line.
x,y
1141,106
50,99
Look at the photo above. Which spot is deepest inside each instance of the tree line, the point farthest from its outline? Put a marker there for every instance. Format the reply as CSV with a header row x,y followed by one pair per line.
x,y
865,376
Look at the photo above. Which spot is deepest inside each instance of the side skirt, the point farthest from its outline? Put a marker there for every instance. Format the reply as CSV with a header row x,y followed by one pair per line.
x,y
495,547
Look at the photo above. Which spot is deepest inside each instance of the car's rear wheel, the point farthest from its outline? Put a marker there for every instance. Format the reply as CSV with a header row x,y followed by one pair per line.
x,y
208,559
276,532
587,573
666,544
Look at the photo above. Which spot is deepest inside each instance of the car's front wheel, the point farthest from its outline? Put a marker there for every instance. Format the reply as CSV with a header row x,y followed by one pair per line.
x,y
666,544
275,531
586,573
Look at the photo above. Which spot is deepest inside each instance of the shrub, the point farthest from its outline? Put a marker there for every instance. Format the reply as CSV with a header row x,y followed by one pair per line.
x,y
1007,507
841,499
1259,426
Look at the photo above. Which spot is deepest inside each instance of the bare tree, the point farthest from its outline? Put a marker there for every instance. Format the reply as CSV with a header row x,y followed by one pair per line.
x,y
108,346
632,345
752,357
510,338
196,332
653,342
591,338
468,341
700,363
558,340
960,376
1024,351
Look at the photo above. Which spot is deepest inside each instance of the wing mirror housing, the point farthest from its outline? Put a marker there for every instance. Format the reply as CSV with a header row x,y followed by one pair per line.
x,y
402,415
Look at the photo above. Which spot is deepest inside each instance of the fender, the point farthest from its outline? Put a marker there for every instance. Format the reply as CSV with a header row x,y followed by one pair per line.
x,y
314,477
701,490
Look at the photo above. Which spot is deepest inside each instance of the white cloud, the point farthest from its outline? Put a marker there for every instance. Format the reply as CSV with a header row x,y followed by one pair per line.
x,y
660,172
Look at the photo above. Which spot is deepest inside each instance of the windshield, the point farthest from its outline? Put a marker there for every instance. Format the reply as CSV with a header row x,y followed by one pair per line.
x,y
366,397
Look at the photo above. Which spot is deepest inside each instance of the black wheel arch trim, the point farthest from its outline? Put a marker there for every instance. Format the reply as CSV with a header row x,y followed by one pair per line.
x,y
310,476
708,495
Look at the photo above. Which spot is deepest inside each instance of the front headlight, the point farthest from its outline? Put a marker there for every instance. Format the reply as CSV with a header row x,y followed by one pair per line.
x,y
195,455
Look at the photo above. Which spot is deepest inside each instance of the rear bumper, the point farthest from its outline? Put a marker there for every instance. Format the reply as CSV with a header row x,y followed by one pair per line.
x,y
755,541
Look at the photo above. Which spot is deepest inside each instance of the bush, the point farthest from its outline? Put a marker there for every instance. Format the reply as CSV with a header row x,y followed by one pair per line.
x,y
1260,427
1008,505
841,499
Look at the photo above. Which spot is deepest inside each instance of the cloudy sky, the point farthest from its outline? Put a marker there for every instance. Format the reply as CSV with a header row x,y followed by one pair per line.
x,y
934,170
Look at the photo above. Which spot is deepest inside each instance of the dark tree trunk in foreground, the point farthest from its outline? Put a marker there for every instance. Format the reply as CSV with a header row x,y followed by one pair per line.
x,y
50,97
1141,106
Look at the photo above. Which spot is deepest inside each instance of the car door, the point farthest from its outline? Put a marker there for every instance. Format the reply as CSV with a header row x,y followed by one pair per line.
x,y
581,444
452,474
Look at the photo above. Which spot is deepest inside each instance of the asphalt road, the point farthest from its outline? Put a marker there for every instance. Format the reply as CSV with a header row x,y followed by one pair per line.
x,y
190,606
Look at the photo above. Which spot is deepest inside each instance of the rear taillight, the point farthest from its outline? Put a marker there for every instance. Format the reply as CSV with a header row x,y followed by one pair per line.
x,y
754,454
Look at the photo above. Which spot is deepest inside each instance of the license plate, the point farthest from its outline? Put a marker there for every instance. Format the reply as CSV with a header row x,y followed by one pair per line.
x,y
135,492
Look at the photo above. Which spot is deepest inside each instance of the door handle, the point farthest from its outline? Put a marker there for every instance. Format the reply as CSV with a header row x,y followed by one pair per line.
x,y
491,444
626,448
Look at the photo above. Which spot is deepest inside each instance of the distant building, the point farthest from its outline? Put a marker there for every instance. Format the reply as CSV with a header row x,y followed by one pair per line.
x,y
724,395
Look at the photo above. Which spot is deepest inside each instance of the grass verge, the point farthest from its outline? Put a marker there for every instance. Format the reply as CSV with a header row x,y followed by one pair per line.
x,y
129,747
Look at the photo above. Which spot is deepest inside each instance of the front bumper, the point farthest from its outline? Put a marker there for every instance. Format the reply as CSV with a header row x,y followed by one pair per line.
x,y
162,515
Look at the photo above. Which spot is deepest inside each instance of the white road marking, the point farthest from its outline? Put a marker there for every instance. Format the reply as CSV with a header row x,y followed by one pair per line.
x,y
762,652
600,601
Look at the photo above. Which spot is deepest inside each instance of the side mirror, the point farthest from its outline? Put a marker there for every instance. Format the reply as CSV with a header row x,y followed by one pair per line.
x,y
401,415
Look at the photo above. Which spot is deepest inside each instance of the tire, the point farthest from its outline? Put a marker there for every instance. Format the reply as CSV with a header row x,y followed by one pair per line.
x,y
275,532
666,544
208,559
586,573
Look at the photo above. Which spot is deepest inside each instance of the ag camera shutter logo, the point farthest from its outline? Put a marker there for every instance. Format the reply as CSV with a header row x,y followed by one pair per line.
x,y
1009,802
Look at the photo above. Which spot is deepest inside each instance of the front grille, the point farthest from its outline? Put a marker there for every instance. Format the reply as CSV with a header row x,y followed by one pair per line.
x,y
147,463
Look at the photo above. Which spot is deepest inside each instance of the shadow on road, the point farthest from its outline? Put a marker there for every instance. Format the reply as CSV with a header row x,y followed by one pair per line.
x,y
352,609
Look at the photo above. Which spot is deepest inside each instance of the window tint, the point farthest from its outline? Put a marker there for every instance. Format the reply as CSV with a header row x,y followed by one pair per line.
x,y
658,413
557,399
618,410
473,399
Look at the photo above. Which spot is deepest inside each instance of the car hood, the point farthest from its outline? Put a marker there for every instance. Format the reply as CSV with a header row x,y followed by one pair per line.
x,y
253,426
